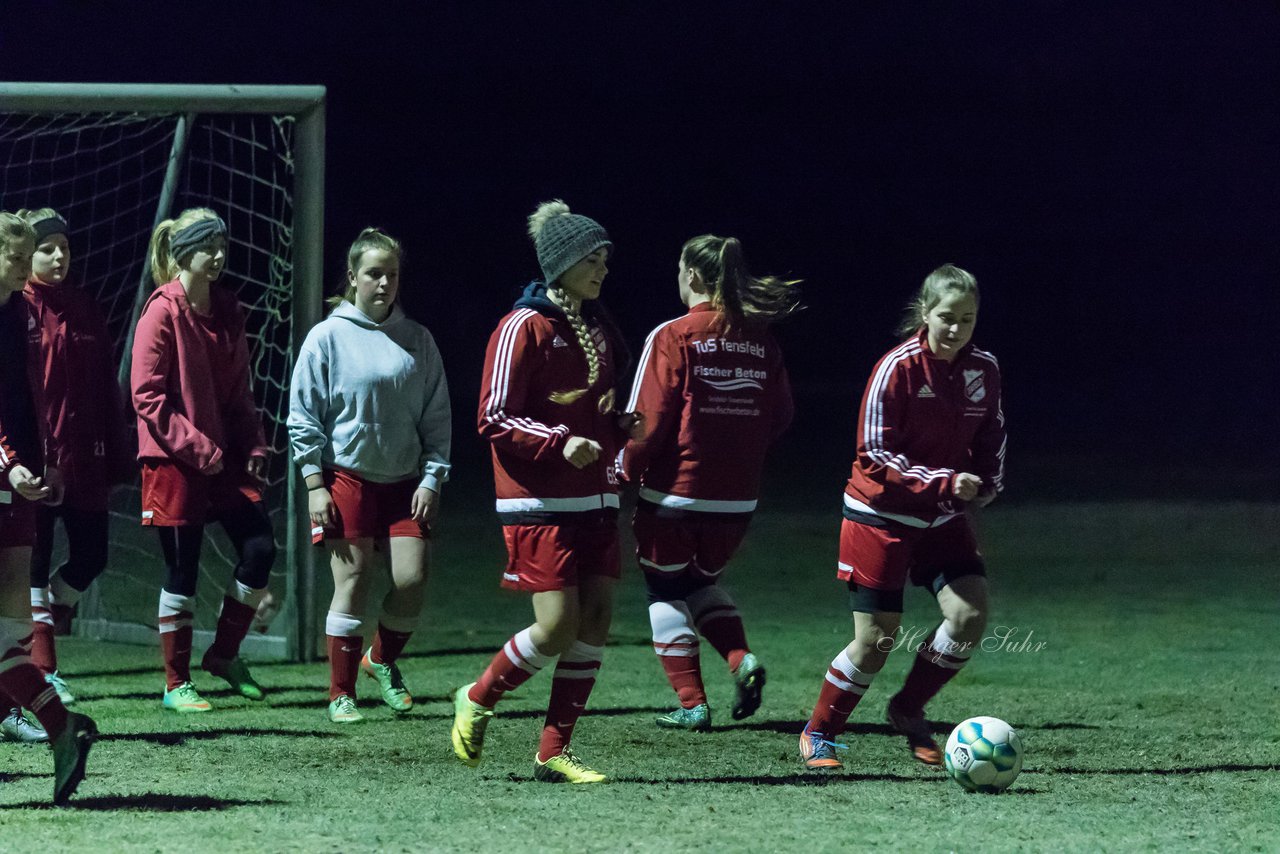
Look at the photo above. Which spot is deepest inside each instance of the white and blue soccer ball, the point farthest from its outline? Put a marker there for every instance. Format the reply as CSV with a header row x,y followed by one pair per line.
x,y
984,755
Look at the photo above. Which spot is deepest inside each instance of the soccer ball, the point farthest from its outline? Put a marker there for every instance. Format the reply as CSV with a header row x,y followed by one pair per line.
x,y
984,755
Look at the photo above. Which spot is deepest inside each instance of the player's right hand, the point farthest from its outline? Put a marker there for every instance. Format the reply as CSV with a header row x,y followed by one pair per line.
x,y
966,486
320,507
28,485
581,452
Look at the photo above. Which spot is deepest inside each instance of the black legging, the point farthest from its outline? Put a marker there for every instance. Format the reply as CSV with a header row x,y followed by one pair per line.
x,y
248,527
86,532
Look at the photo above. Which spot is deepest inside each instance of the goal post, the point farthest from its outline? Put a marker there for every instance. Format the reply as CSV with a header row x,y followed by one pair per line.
x,y
118,158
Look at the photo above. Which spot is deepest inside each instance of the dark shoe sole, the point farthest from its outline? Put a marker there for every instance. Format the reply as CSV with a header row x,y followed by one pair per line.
x,y
750,694
84,741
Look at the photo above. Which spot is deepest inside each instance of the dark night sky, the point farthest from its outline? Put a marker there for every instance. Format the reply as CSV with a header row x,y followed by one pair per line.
x,y
1110,172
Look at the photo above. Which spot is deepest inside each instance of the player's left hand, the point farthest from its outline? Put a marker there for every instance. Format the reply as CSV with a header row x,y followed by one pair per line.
x,y
256,468
632,423
424,505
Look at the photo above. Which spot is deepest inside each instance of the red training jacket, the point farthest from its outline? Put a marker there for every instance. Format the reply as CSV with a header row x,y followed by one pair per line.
x,y
922,421
712,405
191,382
81,401
533,353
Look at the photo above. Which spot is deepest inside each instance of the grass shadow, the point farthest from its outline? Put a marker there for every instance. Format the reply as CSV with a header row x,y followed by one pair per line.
x,y
174,739
148,802
1226,768
10,776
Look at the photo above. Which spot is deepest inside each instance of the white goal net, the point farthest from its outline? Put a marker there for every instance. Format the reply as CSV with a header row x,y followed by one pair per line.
x,y
113,174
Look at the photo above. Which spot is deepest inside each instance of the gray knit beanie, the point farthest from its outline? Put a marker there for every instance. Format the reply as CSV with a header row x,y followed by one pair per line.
x,y
563,239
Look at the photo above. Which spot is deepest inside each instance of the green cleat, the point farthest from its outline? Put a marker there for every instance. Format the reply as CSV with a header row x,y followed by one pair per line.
x,y
697,719
17,728
469,723
235,672
749,681
389,680
566,768
185,699
60,685
343,710
70,750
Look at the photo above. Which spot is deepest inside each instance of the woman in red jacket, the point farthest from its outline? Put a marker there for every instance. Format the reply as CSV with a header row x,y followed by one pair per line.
x,y
714,394
931,443
85,417
202,448
21,456
547,408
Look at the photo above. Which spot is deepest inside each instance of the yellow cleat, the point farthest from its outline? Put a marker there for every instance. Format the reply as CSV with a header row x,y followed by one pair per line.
x,y
566,768
469,723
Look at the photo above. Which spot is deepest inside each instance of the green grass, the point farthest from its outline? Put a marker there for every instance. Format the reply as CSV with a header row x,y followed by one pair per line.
x,y
1148,716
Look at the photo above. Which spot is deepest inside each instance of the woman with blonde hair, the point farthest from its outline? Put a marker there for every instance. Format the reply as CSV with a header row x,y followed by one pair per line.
x,y
547,408
202,449
369,421
931,442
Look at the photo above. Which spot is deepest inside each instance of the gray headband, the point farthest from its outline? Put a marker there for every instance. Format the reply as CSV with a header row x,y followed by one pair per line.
x,y
186,241
49,225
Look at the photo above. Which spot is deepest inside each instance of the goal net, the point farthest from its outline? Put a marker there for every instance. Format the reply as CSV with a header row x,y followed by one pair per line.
x,y
114,161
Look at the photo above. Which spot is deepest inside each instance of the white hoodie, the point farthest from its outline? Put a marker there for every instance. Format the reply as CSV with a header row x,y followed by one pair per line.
x,y
371,398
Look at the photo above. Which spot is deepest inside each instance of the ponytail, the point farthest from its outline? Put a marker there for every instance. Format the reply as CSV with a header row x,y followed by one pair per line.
x,y
740,297
163,266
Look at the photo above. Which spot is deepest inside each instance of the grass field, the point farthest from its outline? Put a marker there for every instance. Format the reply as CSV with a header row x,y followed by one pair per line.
x,y
1149,716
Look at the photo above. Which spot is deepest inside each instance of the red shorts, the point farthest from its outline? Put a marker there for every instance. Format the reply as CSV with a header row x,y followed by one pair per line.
x,y
553,557
362,508
174,494
17,521
878,561
701,545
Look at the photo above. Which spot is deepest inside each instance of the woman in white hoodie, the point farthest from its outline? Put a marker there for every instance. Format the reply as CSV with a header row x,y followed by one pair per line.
x,y
369,425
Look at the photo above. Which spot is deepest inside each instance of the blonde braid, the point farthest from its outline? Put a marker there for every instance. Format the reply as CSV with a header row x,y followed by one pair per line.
x,y
587,342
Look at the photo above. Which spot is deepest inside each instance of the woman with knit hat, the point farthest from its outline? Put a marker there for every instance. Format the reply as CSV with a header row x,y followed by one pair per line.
x,y
548,408
202,449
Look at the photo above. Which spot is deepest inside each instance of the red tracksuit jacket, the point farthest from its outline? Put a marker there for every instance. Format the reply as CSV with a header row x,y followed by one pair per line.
x,y
922,421
533,353
191,382
81,401
712,405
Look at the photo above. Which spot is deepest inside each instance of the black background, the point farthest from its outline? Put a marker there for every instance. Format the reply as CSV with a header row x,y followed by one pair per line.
x,y
1108,171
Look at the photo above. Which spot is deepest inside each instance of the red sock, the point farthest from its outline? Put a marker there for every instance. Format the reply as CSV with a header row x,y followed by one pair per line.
x,y
233,625
514,665
174,622
842,688
685,675
718,621
175,648
24,685
344,664
574,678
43,654
936,663
388,644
